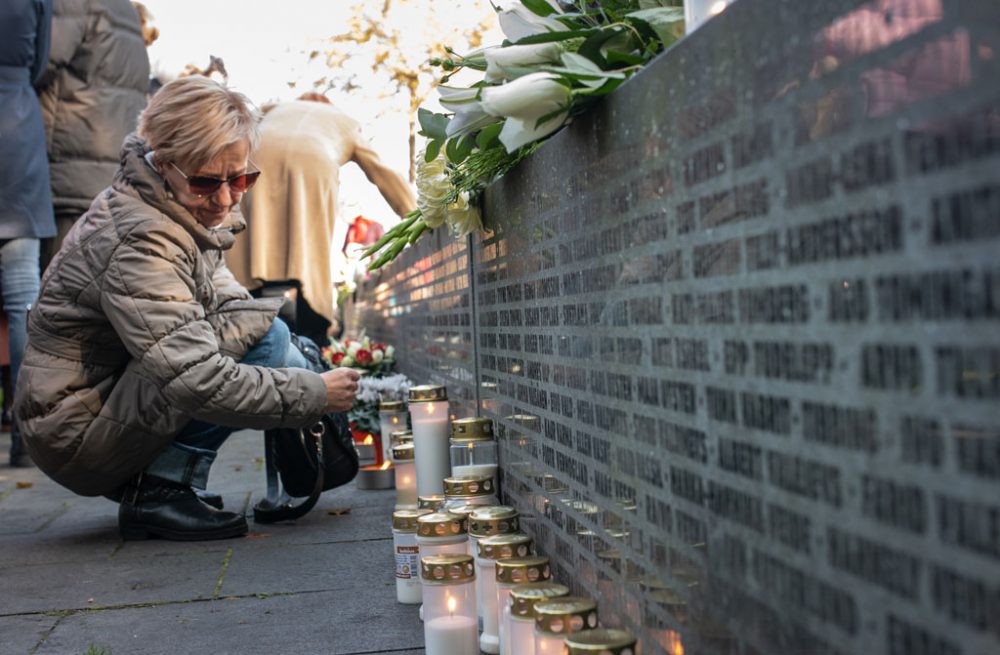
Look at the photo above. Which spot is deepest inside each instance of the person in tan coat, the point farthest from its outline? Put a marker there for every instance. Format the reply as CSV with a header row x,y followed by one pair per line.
x,y
291,214
144,353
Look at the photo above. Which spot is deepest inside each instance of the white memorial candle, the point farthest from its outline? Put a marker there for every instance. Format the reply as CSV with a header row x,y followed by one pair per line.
x,y
429,416
451,635
449,607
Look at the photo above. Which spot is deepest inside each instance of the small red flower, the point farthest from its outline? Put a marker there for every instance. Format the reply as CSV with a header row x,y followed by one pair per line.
x,y
336,358
363,357
378,346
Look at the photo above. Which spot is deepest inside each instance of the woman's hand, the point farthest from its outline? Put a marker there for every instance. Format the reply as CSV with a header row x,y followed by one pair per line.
x,y
341,387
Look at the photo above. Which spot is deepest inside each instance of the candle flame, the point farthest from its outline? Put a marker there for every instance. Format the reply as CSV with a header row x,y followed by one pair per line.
x,y
385,465
674,645
395,420
369,440
429,407
717,7
451,605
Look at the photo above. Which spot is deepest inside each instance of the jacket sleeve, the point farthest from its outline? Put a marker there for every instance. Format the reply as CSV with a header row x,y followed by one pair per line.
x,y
148,296
391,185
67,35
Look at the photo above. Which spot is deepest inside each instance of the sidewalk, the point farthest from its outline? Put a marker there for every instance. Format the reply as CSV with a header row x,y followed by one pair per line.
x,y
322,585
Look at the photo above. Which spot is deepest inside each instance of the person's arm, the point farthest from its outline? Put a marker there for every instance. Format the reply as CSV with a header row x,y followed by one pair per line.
x,y
43,40
148,297
393,187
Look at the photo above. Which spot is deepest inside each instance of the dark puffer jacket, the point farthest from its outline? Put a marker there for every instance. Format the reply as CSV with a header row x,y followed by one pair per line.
x,y
91,96
137,330
25,199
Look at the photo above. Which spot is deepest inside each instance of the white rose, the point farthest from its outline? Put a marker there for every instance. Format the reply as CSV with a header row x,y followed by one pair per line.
x,y
463,217
390,352
347,361
377,356
517,60
353,349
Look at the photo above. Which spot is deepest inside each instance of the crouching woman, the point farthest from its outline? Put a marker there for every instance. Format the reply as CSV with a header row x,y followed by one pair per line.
x,y
144,354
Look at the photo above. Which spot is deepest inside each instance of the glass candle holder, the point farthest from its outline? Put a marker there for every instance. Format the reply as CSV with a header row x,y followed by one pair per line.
x,y
601,642
441,533
517,617
492,550
697,12
406,476
404,543
391,418
489,521
473,449
429,418
449,605
555,619
514,571
469,490
433,502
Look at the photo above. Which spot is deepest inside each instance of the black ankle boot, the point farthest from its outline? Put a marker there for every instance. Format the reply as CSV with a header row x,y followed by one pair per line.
x,y
154,507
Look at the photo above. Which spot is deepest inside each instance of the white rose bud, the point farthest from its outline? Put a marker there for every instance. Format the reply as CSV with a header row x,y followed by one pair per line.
x,y
390,352
377,356
353,349
347,361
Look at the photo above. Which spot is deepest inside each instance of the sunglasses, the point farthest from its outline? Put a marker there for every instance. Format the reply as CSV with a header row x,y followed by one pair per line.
x,y
202,186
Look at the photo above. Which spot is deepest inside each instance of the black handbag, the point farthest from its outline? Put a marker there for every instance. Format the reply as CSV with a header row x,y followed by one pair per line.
x,y
307,461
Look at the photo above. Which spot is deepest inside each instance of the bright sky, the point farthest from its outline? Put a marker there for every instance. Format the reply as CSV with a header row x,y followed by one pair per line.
x,y
265,45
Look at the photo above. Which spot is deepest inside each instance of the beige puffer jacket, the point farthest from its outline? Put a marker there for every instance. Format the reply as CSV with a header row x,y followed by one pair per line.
x,y
136,331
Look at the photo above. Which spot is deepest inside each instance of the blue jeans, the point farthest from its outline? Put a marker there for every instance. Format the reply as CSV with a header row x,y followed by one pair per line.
x,y
190,456
19,282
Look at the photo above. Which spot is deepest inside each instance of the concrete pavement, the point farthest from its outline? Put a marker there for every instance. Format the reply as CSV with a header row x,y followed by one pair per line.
x,y
322,585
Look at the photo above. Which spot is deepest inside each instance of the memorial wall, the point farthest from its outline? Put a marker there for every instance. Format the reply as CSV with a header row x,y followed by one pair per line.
x,y
738,328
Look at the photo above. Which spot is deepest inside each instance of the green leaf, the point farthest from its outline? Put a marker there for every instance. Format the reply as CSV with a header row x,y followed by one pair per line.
x,y
667,22
539,7
489,136
433,148
432,126
549,37
602,90
615,57
591,47
458,149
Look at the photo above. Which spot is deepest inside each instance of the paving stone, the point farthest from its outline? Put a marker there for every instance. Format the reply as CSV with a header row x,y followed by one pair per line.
x,y
369,621
20,634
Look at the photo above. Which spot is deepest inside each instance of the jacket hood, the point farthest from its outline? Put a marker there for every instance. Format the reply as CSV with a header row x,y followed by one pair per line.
x,y
137,177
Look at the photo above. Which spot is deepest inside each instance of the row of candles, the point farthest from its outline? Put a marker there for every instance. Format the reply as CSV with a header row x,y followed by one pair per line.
x,y
463,556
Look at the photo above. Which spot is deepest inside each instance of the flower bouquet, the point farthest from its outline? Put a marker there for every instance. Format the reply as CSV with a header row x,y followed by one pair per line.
x,y
559,57
371,358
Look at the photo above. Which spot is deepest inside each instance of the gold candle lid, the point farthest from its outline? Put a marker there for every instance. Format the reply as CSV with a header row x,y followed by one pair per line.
x,y
469,485
401,436
602,640
496,519
391,406
524,596
403,451
428,393
564,616
406,519
522,569
476,428
465,511
441,524
447,569
505,546
434,502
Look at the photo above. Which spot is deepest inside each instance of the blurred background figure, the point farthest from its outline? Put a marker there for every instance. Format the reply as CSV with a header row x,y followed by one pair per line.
x,y
150,33
292,212
25,195
216,70
91,95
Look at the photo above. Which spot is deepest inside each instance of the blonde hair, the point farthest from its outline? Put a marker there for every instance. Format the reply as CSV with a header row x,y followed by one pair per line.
x,y
192,120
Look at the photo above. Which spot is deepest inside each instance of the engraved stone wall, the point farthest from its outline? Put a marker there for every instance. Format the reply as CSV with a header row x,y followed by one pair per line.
x,y
739,331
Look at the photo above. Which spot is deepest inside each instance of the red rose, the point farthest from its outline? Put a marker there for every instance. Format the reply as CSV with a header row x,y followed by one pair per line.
x,y
336,358
363,357
378,346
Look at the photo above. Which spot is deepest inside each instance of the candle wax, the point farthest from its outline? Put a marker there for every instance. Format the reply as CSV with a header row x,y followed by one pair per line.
x,y
521,638
450,635
430,446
